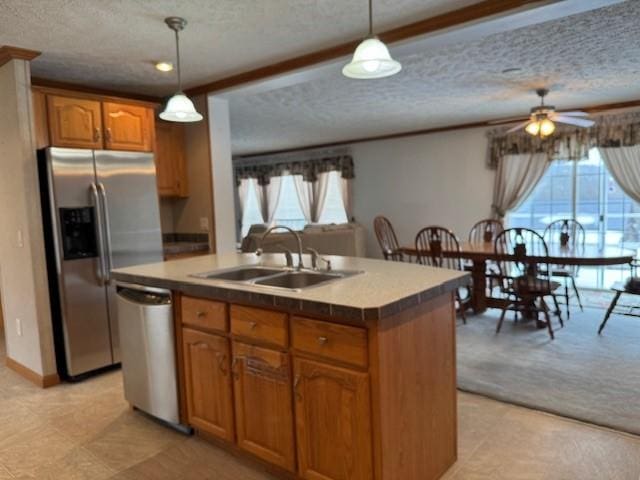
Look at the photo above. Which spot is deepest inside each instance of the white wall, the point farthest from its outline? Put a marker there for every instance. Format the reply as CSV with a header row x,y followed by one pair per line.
x,y
23,279
435,179
222,170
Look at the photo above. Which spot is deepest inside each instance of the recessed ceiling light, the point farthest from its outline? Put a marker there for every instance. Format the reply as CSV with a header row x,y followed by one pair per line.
x,y
164,66
512,70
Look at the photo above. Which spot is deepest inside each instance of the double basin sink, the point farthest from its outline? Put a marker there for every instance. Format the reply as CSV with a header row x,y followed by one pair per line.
x,y
276,277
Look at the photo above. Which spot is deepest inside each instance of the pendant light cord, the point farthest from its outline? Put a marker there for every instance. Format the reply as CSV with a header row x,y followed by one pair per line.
x,y
178,61
370,18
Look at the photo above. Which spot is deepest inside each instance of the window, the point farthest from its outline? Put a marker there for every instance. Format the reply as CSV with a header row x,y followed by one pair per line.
x,y
584,190
288,212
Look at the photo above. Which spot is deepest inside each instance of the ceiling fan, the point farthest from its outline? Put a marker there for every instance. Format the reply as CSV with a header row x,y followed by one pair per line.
x,y
543,118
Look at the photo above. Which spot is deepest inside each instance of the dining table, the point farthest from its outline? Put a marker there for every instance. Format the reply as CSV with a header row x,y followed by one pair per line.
x,y
479,253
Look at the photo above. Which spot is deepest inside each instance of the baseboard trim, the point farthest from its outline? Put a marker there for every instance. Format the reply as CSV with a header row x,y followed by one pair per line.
x,y
45,381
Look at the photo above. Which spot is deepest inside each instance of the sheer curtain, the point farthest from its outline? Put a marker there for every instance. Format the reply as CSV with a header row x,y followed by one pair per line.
x,y
516,177
268,197
312,195
243,194
624,165
346,185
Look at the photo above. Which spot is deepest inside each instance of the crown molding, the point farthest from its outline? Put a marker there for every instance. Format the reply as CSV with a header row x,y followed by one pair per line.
x,y
8,53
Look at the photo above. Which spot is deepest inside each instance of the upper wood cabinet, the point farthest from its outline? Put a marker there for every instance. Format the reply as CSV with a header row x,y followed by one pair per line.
x,y
333,422
264,407
171,168
208,383
92,122
74,122
127,127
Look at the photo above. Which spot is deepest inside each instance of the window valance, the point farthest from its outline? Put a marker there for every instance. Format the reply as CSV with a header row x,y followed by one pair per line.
x,y
309,169
568,143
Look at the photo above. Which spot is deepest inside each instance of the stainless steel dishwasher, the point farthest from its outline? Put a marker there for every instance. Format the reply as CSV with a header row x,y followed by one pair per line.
x,y
147,345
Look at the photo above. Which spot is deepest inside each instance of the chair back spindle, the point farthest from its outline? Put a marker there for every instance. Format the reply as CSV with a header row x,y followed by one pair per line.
x,y
387,239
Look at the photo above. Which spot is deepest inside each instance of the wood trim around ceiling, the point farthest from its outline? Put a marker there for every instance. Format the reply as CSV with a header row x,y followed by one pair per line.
x,y
475,12
8,53
448,128
51,85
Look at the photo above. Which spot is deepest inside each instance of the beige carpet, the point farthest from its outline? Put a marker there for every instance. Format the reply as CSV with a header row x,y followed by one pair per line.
x,y
579,374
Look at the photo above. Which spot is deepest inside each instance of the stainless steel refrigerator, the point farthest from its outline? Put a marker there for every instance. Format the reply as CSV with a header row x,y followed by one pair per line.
x,y
100,212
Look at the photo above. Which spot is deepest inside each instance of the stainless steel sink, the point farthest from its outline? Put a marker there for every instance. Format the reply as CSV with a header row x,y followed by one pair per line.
x,y
241,274
276,277
298,280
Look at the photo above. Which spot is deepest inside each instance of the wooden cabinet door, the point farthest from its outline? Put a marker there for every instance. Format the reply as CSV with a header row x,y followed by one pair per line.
x,y
171,171
333,422
74,122
208,383
264,405
127,127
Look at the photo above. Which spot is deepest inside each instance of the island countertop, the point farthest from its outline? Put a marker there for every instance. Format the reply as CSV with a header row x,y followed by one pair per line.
x,y
383,289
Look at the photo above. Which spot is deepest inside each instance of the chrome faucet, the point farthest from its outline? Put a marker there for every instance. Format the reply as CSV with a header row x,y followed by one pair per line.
x,y
315,256
259,251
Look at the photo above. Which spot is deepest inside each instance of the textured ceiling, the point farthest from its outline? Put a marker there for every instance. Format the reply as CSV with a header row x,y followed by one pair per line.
x,y
586,59
113,43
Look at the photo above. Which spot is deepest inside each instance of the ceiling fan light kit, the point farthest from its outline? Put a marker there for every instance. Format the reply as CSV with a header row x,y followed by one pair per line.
x,y
543,118
179,108
371,58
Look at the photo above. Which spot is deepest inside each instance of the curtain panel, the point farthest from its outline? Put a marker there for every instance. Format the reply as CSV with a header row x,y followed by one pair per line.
x,y
623,164
516,177
567,142
308,169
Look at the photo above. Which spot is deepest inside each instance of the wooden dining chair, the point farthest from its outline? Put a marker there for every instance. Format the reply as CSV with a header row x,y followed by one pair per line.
x,y
526,283
387,239
485,231
431,243
567,233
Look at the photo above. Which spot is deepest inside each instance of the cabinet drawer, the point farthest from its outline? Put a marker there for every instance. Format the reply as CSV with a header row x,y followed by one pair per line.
x,y
330,340
208,314
259,324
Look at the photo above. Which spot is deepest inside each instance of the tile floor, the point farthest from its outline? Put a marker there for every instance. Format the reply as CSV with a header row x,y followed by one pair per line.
x,y
86,431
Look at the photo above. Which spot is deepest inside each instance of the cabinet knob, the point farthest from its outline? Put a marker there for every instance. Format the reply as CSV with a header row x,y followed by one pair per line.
x,y
107,135
322,340
296,390
201,314
96,134
253,325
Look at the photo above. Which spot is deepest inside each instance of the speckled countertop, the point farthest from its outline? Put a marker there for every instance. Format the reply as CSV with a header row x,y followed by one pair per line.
x,y
385,288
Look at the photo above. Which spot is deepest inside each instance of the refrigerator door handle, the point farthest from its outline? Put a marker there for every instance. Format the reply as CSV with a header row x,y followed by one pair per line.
x,y
100,273
105,205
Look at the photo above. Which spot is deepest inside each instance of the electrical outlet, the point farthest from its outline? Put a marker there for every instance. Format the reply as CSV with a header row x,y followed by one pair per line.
x,y
20,239
19,327
204,224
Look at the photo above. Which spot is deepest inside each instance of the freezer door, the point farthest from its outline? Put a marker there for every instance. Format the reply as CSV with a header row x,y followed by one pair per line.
x,y
127,186
75,217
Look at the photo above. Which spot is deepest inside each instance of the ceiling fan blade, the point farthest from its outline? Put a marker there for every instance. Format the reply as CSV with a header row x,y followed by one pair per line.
x,y
508,120
580,122
519,126
575,113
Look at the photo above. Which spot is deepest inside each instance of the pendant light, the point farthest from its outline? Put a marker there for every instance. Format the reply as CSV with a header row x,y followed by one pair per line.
x,y
179,108
371,58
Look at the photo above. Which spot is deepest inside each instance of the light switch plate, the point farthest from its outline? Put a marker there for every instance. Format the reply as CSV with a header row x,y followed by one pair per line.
x,y
204,224
19,327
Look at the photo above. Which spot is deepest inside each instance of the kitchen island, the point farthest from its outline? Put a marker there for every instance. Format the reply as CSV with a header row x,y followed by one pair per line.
x,y
352,379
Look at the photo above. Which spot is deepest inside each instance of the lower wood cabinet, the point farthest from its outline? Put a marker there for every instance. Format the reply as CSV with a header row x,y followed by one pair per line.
x,y
333,422
263,403
208,383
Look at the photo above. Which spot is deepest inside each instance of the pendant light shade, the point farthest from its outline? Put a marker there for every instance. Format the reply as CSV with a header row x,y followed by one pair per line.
x,y
371,58
179,108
